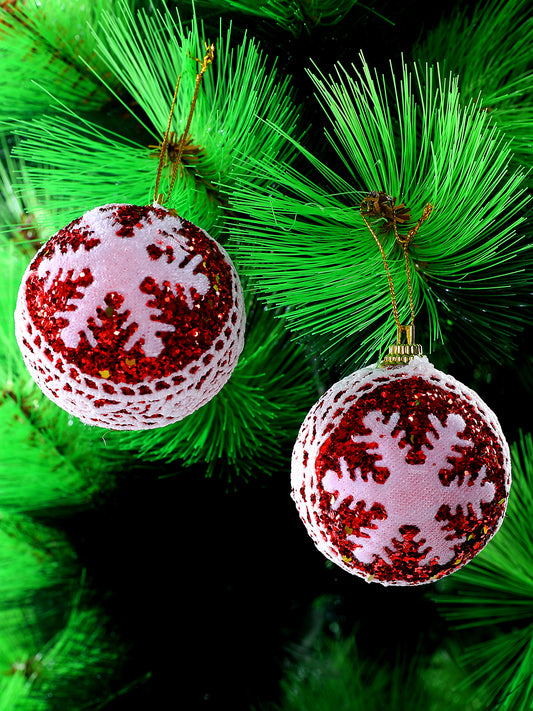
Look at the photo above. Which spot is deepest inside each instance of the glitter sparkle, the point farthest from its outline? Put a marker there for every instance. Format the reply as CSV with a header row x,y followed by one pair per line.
x,y
135,297
401,479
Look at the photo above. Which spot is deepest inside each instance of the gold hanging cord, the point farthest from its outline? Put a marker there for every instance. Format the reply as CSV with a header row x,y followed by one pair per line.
x,y
383,205
204,64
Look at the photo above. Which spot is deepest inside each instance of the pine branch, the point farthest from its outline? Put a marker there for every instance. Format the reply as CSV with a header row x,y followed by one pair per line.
x,y
307,248
145,54
291,15
73,165
46,44
53,652
74,668
332,674
502,668
498,73
37,567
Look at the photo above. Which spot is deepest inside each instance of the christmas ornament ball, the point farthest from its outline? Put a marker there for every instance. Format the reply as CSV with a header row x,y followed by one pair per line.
x,y
401,474
130,317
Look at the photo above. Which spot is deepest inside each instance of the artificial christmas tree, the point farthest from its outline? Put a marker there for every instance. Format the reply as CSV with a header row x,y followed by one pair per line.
x,y
125,552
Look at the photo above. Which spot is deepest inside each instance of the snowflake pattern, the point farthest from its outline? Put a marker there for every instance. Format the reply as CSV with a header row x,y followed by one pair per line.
x,y
121,269
412,493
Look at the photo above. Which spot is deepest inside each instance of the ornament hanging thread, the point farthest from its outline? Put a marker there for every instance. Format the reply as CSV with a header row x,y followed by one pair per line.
x,y
400,473
132,317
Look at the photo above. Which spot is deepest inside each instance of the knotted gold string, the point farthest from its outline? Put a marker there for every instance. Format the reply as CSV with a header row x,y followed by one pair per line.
x,y
403,242
204,64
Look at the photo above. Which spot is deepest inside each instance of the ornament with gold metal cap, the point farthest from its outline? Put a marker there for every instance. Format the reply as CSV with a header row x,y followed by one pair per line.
x,y
402,352
400,474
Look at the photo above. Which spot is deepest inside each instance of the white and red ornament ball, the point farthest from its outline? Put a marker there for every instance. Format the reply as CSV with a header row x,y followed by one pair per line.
x,y
130,317
401,474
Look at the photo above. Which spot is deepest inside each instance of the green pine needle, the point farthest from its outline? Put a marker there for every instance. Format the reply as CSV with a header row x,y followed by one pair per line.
x,y
47,44
498,71
72,669
92,166
333,674
248,421
502,668
305,245
49,463
447,684
79,165
36,562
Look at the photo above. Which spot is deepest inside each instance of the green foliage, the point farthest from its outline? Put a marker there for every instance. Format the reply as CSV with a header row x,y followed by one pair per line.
x,y
495,592
55,652
49,463
334,674
238,99
420,135
498,73
446,684
46,44
248,422
502,666
305,245
35,561
73,668
48,460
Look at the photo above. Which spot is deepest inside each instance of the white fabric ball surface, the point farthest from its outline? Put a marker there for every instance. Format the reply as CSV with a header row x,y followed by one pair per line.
x,y
130,317
401,474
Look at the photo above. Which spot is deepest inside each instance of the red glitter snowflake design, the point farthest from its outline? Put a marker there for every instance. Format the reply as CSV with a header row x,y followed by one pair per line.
x,y
401,474
403,483
137,269
130,317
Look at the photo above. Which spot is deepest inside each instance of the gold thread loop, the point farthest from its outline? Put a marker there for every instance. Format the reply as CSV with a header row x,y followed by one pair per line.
x,y
383,205
204,64
159,197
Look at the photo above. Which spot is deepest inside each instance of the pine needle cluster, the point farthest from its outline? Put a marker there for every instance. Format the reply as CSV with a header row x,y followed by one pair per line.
x,y
496,74
47,44
291,15
306,247
70,156
55,661
331,672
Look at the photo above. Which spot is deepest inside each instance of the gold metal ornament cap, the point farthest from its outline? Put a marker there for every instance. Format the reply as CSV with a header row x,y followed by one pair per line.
x,y
401,353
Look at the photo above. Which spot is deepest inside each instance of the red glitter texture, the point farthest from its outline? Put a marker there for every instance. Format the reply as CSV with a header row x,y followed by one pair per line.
x,y
88,322
414,398
195,330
